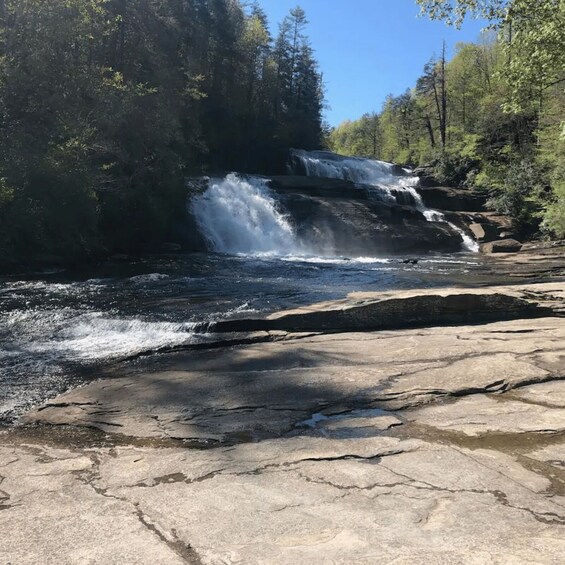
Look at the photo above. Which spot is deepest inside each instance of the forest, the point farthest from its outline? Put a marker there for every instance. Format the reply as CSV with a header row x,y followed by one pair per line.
x,y
106,106
492,118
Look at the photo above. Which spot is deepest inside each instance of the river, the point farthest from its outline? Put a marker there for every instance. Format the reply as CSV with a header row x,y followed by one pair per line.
x,y
60,328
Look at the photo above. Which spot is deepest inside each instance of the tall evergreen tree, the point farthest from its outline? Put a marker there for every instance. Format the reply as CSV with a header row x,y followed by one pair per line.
x,y
106,106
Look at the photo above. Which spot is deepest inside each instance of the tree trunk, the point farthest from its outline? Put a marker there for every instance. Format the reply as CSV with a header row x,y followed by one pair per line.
x,y
443,118
430,129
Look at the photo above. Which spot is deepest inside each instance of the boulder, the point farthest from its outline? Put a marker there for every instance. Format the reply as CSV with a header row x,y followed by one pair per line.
x,y
426,176
452,199
502,246
478,231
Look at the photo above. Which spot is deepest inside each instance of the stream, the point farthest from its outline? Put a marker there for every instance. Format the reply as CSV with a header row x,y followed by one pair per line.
x,y
58,329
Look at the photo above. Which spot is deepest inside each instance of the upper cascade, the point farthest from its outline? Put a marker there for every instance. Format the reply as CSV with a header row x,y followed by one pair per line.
x,y
390,182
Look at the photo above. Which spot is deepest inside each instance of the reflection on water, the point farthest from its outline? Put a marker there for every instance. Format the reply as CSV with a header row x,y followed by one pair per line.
x,y
56,327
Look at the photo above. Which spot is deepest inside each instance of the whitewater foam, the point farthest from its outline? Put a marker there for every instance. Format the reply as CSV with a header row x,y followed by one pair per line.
x,y
240,215
91,336
148,278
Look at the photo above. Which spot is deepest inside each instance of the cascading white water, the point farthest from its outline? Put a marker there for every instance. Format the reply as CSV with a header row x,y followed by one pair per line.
x,y
240,215
389,182
434,216
384,178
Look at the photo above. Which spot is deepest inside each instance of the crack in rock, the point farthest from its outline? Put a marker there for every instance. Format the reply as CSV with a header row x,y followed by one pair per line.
x,y
181,548
501,497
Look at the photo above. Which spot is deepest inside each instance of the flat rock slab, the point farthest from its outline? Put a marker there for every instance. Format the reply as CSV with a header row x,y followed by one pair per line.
x,y
363,311
480,414
548,395
265,390
294,501
415,446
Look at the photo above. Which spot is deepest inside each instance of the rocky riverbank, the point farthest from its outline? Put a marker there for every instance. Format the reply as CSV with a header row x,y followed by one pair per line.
x,y
329,436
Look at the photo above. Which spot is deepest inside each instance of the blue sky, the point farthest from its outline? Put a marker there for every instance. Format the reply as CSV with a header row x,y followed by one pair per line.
x,y
369,48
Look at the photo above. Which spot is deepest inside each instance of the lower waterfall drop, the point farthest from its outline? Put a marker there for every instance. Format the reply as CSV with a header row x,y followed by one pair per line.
x,y
240,215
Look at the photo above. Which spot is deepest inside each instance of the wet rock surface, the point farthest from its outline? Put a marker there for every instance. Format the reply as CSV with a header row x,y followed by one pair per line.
x,y
483,226
452,199
428,445
338,214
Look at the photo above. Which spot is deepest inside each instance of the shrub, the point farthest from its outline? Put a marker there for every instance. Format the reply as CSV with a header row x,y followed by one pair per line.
x,y
454,170
519,195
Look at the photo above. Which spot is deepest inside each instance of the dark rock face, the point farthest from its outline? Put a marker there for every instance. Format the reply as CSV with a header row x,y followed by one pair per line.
x,y
483,226
336,214
188,235
452,199
426,176
502,246
317,186
400,310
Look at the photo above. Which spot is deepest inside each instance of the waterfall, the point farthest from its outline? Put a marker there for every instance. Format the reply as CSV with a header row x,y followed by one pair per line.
x,y
469,243
389,183
240,215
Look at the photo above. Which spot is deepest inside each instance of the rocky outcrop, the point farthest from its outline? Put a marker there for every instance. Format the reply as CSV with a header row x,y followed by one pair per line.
x,y
452,199
267,390
426,175
501,246
169,400
395,496
335,214
483,226
405,309
315,186
345,447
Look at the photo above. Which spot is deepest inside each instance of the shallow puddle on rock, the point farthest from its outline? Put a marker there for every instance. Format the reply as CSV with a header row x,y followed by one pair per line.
x,y
350,424
318,417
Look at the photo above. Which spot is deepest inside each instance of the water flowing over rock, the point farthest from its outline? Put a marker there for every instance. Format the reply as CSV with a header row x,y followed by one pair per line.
x,y
387,181
339,206
240,215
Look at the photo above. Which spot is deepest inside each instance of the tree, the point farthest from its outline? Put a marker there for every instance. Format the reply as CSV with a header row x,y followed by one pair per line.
x,y
534,38
299,93
361,138
531,37
106,106
432,86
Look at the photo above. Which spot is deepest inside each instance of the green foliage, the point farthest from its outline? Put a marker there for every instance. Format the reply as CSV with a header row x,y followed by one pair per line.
x,y
361,137
518,197
454,169
455,11
106,105
492,117
521,118
554,218
554,160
